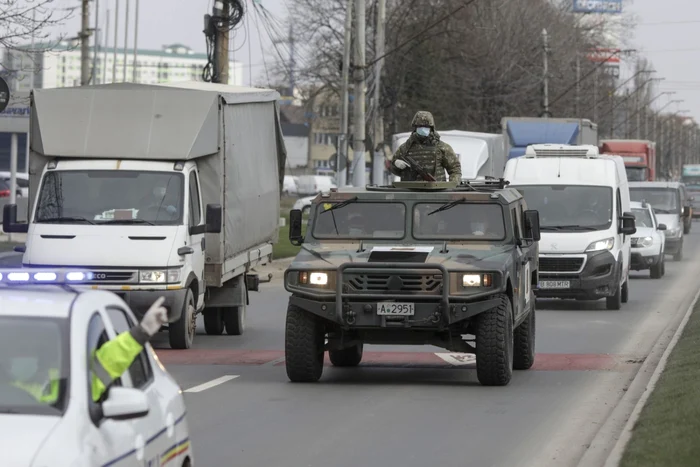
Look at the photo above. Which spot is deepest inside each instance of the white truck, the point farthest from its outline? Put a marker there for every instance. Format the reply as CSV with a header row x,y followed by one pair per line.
x,y
157,190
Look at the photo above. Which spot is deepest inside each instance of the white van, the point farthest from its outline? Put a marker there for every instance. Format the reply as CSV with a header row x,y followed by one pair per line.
x,y
584,207
314,184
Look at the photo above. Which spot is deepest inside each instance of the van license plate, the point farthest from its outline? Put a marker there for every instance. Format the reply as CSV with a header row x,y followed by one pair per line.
x,y
395,309
554,285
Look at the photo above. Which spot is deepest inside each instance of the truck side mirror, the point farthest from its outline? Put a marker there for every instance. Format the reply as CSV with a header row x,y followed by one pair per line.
x,y
295,223
532,225
628,226
214,214
661,227
9,220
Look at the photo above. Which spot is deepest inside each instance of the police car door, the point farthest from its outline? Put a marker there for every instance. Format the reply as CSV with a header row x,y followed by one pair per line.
x,y
151,440
106,440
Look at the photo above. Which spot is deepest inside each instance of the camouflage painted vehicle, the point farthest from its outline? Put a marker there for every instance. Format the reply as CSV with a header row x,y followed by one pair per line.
x,y
414,263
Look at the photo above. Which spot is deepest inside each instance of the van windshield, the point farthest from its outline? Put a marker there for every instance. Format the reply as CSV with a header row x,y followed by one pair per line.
x,y
110,197
663,200
570,208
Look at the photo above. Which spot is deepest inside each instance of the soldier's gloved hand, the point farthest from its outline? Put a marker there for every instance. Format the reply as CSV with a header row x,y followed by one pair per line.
x,y
155,317
401,165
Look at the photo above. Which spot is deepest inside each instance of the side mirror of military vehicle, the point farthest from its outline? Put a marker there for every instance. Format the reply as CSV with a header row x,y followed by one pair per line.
x,y
532,225
661,227
295,223
9,220
628,226
686,211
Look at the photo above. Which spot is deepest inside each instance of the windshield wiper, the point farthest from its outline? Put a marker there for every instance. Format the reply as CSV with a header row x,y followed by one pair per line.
x,y
127,221
340,205
568,227
449,205
66,219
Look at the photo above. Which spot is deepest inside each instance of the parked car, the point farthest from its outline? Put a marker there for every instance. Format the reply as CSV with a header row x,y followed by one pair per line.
x,y
304,204
22,182
314,184
5,189
290,185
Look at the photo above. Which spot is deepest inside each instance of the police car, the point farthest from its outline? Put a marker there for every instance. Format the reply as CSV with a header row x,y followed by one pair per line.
x,y
648,243
48,332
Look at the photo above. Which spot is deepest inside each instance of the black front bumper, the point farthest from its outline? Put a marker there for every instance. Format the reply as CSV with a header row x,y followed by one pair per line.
x,y
599,278
673,245
640,262
353,310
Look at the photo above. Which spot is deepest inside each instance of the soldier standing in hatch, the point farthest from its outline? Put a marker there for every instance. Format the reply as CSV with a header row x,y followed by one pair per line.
x,y
425,147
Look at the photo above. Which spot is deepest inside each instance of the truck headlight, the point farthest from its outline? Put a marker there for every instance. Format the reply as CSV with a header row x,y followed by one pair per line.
x,y
159,276
600,245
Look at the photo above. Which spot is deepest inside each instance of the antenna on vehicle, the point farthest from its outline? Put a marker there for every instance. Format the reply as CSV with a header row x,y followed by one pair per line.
x,y
444,247
362,246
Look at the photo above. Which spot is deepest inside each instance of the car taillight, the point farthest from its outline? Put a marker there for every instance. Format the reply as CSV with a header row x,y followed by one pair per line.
x,y
4,193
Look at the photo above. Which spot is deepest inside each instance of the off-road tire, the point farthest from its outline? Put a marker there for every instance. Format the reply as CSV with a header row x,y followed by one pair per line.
x,y
304,340
494,344
625,293
213,321
234,319
524,341
656,271
615,302
181,332
352,356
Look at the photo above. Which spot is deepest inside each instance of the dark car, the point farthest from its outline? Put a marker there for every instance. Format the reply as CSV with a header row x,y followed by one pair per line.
x,y
5,189
414,263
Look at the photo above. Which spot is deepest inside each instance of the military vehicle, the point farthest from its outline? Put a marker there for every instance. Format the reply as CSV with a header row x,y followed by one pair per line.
x,y
434,263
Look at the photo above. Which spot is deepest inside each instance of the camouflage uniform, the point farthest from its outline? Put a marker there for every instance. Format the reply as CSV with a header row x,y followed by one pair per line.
x,y
429,152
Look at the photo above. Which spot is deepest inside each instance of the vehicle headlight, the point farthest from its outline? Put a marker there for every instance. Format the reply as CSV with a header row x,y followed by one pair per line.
x,y
476,280
673,232
159,276
601,245
313,278
646,241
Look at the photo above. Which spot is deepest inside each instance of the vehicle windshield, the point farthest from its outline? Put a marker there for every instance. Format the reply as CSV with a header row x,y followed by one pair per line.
x,y
34,365
360,220
636,174
570,208
691,182
110,197
465,221
642,217
663,200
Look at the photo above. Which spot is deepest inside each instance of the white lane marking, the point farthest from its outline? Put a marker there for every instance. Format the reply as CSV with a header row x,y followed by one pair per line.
x,y
212,383
274,362
458,358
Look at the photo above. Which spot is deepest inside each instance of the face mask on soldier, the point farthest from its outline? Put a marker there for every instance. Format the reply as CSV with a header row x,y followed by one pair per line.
x,y
423,130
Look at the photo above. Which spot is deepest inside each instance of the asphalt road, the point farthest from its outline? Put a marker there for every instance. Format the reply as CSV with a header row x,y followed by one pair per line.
x,y
407,406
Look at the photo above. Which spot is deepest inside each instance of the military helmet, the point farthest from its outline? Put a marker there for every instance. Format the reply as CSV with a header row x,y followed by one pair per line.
x,y
423,118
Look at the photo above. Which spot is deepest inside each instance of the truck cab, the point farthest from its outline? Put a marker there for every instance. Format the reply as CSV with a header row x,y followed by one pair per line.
x,y
639,157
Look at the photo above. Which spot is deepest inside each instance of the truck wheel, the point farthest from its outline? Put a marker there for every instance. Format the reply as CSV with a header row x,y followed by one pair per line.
x,y
213,321
679,255
234,319
524,342
625,294
614,302
494,344
304,339
352,356
181,332
656,271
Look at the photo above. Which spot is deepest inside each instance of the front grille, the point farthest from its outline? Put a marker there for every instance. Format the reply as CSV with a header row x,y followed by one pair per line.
x,y
404,283
560,264
112,276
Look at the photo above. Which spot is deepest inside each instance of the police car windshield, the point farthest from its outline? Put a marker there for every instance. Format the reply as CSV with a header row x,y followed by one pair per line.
x,y
111,197
360,220
460,222
642,218
663,200
570,208
34,365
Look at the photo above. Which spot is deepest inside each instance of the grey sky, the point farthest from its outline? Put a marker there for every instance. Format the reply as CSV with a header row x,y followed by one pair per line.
x,y
665,34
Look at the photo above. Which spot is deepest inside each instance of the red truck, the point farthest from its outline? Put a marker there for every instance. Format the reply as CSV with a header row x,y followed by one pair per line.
x,y
639,156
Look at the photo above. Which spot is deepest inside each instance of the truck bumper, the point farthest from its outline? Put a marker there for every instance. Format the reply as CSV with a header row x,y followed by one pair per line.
x,y
140,300
598,279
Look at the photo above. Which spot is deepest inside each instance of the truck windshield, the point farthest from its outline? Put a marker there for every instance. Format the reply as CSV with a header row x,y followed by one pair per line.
x,y
360,220
570,208
663,200
642,218
34,365
636,174
464,221
110,197
692,183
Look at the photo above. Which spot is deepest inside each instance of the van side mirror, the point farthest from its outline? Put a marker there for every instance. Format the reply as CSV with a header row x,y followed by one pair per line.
x,y
212,222
628,225
532,225
661,227
295,224
9,220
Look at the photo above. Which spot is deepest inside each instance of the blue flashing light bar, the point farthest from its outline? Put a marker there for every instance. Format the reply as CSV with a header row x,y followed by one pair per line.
x,y
44,276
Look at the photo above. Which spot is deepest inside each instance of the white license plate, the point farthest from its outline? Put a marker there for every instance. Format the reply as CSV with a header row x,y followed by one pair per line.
x,y
554,285
395,309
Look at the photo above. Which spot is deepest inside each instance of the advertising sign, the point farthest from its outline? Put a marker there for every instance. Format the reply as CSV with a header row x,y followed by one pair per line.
x,y
597,6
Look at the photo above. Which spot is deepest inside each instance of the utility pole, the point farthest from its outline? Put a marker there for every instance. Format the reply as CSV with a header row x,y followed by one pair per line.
x,y
292,60
136,40
545,43
341,174
116,38
358,159
84,44
379,157
221,10
595,95
93,72
104,55
578,85
126,39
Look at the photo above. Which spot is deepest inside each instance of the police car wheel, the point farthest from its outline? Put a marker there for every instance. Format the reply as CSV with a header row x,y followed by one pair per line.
x,y
213,321
234,319
494,344
181,332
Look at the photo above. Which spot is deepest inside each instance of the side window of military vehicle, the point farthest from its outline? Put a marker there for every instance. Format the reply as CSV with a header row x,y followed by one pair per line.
x,y
516,224
521,218
140,371
195,212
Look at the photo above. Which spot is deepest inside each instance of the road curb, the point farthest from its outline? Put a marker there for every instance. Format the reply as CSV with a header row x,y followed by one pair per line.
x,y
610,440
619,448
